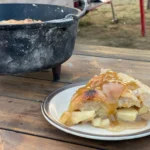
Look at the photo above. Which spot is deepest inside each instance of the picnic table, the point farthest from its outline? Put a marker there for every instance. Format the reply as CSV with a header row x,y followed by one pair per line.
x,y
22,126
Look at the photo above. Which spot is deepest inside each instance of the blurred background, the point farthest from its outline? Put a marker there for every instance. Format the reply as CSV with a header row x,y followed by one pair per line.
x,y
97,27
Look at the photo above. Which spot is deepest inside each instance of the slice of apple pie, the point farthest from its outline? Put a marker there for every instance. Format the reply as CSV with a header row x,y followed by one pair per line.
x,y
113,101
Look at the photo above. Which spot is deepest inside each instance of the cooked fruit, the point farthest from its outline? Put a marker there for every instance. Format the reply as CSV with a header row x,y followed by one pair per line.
x,y
127,114
77,117
64,118
97,122
142,110
104,123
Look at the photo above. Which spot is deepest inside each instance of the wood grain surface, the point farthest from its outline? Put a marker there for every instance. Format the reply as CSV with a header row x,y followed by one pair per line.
x,y
81,68
16,141
111,52
27,88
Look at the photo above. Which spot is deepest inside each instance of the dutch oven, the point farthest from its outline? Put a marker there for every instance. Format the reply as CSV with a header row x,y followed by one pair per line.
x,y
33,47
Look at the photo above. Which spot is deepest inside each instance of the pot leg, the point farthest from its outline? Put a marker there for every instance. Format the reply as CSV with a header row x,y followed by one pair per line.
x,y
56,73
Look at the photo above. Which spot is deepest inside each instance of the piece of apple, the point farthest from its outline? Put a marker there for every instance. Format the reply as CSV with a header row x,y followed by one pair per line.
x,y
65,116
143,110
127,114
96,122
77,117
104,123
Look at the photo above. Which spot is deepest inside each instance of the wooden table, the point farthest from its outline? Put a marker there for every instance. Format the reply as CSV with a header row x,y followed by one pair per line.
x,y
22,126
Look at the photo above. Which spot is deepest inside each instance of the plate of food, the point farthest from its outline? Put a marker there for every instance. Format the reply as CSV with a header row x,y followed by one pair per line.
x,y
110,106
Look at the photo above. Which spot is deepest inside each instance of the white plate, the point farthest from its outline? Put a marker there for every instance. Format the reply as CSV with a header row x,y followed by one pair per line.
x,y
57,102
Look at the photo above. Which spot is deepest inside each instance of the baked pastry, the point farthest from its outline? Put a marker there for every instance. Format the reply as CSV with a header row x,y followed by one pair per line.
x,y
113,101
25,21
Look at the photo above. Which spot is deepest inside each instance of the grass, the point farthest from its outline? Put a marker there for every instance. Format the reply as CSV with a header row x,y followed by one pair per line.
x,y
96,27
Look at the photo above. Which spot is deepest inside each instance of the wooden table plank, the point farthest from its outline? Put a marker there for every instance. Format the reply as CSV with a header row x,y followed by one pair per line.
x,y
36,89
81,68
27,88
111,52
25,116
16,141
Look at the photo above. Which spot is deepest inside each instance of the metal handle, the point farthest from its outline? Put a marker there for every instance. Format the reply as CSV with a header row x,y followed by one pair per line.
x,y
86,5
80,14
70,17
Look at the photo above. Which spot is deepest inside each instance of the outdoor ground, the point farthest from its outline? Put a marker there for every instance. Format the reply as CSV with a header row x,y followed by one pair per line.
x,y
96,27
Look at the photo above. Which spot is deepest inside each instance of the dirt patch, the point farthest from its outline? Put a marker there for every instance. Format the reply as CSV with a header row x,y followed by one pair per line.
x,y
96,27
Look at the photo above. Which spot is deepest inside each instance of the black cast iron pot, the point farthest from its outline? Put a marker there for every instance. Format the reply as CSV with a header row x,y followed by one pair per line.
x,y
37,46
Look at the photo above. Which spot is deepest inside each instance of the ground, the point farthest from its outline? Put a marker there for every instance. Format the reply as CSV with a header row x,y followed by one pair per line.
x,y
96,27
